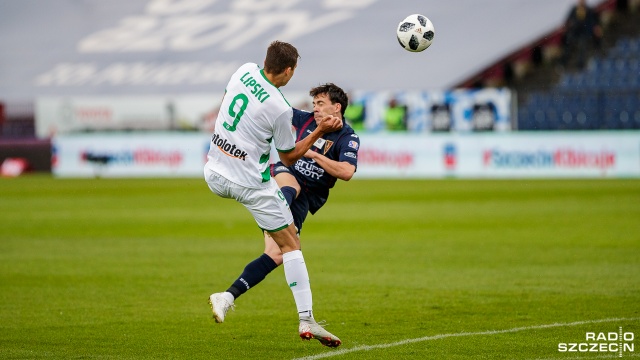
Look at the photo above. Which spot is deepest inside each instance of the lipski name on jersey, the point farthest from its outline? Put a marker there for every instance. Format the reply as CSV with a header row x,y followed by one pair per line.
x,y
228,148
258,91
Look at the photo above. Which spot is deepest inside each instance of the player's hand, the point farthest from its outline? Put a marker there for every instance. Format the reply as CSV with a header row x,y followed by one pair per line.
x,y
330,123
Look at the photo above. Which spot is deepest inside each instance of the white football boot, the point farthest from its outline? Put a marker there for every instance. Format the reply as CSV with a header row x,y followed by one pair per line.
x,y
310,329
220,304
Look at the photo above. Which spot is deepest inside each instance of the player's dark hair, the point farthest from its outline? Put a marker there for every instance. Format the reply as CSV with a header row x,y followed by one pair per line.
x,y
280,56
335,93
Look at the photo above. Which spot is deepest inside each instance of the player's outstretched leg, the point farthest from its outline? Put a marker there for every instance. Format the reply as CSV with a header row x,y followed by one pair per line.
x,y
220,304
310,329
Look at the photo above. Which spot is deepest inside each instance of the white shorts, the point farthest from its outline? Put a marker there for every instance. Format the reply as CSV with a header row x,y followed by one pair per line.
x,y
267,205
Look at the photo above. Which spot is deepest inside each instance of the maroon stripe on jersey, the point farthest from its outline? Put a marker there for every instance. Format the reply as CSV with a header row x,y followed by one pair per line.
x,y
304,127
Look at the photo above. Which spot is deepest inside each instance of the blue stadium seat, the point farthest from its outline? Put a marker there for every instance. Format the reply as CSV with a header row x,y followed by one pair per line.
x,y
594,65
633,45
540,120
636,119
602,82
526,120
624,44
625,119
605,95
573,81
611,122
608,66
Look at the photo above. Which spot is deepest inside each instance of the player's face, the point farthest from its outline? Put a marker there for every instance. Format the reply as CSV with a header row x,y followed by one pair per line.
x,y
322,107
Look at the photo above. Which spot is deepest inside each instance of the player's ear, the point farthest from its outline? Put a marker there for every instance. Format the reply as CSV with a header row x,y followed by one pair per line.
x,y
338,108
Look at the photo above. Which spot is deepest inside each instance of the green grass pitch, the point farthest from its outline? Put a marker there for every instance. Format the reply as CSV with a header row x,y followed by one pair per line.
x,y
441,269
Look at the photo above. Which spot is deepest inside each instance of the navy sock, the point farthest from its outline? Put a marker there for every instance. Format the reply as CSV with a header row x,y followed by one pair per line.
x,y
253,273
289,194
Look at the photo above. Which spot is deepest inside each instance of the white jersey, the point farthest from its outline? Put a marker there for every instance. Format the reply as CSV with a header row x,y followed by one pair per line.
x,y
253,113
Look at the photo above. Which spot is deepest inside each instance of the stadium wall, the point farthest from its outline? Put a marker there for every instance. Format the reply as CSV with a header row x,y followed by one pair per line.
x,y
36,152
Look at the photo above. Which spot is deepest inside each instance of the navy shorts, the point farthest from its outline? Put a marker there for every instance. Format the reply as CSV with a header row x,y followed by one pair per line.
x,y
300,206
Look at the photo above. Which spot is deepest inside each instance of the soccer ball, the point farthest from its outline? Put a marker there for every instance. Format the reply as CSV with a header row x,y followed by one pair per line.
x,y
415,33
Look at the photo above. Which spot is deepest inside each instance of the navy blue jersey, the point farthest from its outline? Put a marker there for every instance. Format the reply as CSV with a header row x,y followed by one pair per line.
x,y
341,145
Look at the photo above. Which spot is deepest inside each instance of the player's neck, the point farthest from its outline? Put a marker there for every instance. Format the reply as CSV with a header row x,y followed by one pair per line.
x,y
276,80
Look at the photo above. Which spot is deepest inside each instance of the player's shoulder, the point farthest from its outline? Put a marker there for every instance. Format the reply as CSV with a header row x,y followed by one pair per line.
x,y
348,132
347,137
243,69
301,116
248,66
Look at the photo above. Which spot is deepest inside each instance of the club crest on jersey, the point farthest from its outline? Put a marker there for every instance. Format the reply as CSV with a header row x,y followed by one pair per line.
x,y
323,144
227,148
327,146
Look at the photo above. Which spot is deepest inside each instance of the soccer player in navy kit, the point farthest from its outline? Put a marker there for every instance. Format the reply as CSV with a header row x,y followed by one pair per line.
x,y
306,183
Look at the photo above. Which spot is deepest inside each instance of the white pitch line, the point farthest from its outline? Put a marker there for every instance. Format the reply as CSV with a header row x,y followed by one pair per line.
x,y
444,336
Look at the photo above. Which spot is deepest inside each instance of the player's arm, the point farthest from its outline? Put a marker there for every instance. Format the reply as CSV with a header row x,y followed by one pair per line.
x,y
338,169
327,125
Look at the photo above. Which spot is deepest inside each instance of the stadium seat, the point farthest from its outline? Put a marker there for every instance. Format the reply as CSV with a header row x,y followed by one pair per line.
x,y
636,119
625,119
540,121
611,122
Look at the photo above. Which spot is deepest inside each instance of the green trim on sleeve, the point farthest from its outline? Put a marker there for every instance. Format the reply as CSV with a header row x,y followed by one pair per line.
x,y
286,151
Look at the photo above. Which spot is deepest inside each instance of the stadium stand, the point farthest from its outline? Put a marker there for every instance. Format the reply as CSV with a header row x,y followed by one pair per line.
x,y
603,96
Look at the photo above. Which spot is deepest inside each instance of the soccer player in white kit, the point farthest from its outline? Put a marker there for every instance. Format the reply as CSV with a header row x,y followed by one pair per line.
x,y
253,114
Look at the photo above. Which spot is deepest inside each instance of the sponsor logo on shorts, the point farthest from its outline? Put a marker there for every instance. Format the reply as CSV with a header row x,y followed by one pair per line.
x,y
228,148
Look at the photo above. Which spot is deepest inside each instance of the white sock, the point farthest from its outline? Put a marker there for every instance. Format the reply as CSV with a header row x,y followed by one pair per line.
x,y
295,271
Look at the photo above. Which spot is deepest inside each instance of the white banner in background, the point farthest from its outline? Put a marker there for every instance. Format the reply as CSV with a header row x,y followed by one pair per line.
x,y
130,155
506,155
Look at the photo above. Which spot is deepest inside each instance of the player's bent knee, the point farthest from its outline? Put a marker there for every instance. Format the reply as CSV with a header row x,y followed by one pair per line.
x,y
286,179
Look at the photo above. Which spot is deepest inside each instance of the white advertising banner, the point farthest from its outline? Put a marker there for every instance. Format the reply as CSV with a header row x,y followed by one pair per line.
x,y
507,155
406,155
130,155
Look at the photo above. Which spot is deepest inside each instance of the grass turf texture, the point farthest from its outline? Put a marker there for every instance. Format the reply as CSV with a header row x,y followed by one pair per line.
x,y
122,268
